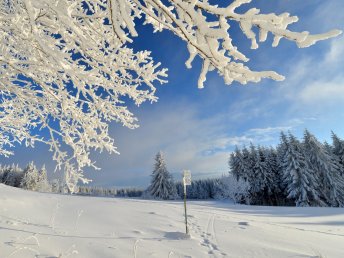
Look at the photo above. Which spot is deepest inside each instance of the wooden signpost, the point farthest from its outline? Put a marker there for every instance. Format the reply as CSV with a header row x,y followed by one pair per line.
x,y
186,181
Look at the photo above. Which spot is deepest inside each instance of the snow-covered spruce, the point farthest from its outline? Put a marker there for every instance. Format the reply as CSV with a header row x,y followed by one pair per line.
x,y
319,160
338,150
11,175
162,185
29,178
307,173
65,65
35,180
301,184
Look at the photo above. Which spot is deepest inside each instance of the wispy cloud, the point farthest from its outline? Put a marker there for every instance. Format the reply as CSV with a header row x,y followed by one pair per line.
x,y
257,136
323,92
269,130
336,52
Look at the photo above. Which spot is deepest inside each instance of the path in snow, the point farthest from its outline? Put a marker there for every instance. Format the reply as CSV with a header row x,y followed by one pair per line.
x,y
56,226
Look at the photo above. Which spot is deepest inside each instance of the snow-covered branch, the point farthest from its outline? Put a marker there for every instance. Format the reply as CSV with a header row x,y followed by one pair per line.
x,y
67,73
66,69
205,28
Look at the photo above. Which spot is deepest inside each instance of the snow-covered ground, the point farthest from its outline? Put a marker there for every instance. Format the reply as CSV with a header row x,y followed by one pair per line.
x,y
49,225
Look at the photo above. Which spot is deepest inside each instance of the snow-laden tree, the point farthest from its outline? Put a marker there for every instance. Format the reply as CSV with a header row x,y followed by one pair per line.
x,y
235,163
162,185
43,184
281,149
30,177
240,163
320,162
272,166
66,68
257,175
57,186
230,187
338,150
301,183
264,169
246,165
11,175
334,159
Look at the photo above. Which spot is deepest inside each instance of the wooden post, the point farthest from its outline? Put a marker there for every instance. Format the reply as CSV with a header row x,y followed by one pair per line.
x,y
186,181
186,216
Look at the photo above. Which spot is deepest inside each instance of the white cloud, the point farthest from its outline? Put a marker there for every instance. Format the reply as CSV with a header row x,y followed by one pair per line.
x,y
257,136
323,91
177,131
188,141
336,52
316,83
269,130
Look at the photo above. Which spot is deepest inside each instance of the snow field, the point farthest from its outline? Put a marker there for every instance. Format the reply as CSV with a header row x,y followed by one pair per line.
x,y
48,225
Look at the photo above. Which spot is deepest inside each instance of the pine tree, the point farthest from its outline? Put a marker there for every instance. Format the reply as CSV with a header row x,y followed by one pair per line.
x,y
334,159
1,173
235,163
43,183
246,166
273,176
338,150
30,178
255,176
282,151
162,185
337,192
272,164
12,175
301,183
260,170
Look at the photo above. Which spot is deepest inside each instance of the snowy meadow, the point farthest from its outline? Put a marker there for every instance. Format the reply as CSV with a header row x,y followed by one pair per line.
x,y
75,76
49,225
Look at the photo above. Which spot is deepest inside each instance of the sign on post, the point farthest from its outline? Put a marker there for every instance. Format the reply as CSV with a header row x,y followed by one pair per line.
x,y
186,181
187,177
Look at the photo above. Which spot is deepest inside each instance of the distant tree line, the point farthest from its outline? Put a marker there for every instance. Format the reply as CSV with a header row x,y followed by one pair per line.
x,y
301,173
162,186
29,178
225,187
110,192
295,173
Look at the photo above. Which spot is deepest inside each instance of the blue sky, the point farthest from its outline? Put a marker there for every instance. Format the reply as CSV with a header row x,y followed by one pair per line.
x,y
197,129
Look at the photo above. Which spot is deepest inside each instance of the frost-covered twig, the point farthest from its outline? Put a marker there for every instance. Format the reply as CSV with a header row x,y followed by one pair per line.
x,y
66,70
205,27
66,73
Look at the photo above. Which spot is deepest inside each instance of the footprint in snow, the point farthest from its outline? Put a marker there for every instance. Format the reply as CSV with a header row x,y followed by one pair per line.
x,y
176,236
243,223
